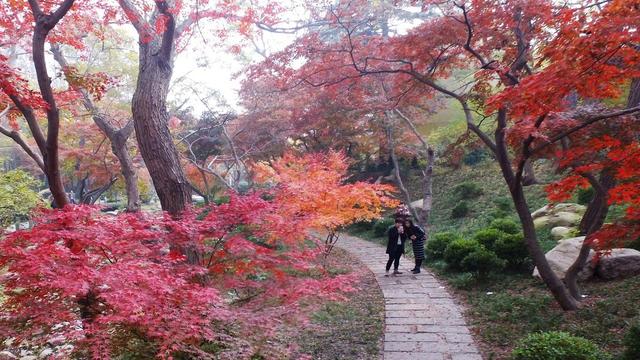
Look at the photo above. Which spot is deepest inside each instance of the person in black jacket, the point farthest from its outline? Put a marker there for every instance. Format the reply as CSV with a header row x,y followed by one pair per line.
x,y
395,246
418,237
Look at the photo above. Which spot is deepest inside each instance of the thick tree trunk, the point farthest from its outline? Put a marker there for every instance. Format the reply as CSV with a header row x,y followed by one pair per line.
x,y
149,107
152,132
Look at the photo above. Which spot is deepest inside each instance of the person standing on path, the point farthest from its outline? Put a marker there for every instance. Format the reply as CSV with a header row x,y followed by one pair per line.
x,y
418,237
395,246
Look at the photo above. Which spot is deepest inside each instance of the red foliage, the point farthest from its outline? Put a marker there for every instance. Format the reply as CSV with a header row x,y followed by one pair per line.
x,y
90,278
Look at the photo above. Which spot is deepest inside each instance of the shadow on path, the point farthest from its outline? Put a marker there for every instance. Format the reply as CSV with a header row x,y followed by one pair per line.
x,y
422,322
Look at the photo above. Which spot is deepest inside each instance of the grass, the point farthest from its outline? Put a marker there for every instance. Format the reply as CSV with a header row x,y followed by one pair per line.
x,y
494,201
506,309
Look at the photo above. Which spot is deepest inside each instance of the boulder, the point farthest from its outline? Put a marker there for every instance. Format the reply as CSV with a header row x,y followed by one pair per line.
x,y
562,232
621,263
564,218
542,221
543,211
561,207
562,256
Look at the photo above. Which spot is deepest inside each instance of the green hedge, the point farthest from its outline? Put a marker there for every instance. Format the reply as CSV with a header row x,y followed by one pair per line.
x,y
557,345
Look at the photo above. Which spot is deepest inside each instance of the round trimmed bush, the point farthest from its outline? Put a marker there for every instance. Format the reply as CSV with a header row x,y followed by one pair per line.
x,y
468,190
506,225
461,210
381,227
438,243
632,343
513,249
482,261
557,345
488,237
457,250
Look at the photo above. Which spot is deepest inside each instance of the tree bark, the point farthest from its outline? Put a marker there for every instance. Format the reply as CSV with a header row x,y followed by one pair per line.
x,y
121,151
44,24
151,118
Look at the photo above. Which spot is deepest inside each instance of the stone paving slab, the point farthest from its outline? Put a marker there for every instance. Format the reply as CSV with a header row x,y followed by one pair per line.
x,y
422,322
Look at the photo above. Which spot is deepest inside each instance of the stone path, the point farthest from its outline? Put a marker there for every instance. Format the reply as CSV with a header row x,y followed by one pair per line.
x,y
421,320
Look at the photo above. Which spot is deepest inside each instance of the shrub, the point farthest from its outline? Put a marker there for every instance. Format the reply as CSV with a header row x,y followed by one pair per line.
x,y
438,243
381,227
488,237
632,343
506,225
463,281
474,156
468,190
503,203
361,226
482,261
18,196
461,210
557,345
457,250
512,248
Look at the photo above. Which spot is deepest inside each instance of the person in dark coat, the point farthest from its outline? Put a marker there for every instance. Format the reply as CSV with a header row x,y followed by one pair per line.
x,y
395,246
418,237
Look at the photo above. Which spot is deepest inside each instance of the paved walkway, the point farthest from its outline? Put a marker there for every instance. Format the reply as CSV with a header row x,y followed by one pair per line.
x,y
421,320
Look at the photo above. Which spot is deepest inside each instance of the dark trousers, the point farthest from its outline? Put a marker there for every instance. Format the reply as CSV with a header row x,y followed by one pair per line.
x,y
395,259
418,264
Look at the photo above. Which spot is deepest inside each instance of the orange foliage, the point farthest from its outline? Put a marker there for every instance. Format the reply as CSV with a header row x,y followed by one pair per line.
x,y
314,185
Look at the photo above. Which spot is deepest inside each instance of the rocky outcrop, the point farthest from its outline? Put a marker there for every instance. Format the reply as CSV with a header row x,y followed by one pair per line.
x,y
562,256
563,214
620,263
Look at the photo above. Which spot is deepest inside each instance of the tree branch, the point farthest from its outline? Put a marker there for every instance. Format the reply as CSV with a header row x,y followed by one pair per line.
x,y
17,138
166,46
586,123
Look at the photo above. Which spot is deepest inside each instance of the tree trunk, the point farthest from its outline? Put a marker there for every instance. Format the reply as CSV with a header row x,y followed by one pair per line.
x,y
118,138
151,122
555,285
44,24
120,150
529,174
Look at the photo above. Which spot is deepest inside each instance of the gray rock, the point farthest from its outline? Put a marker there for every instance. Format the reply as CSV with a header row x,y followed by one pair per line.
x,y
541,221
564,218
543,211
562,256
562,232
621,263
561,207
